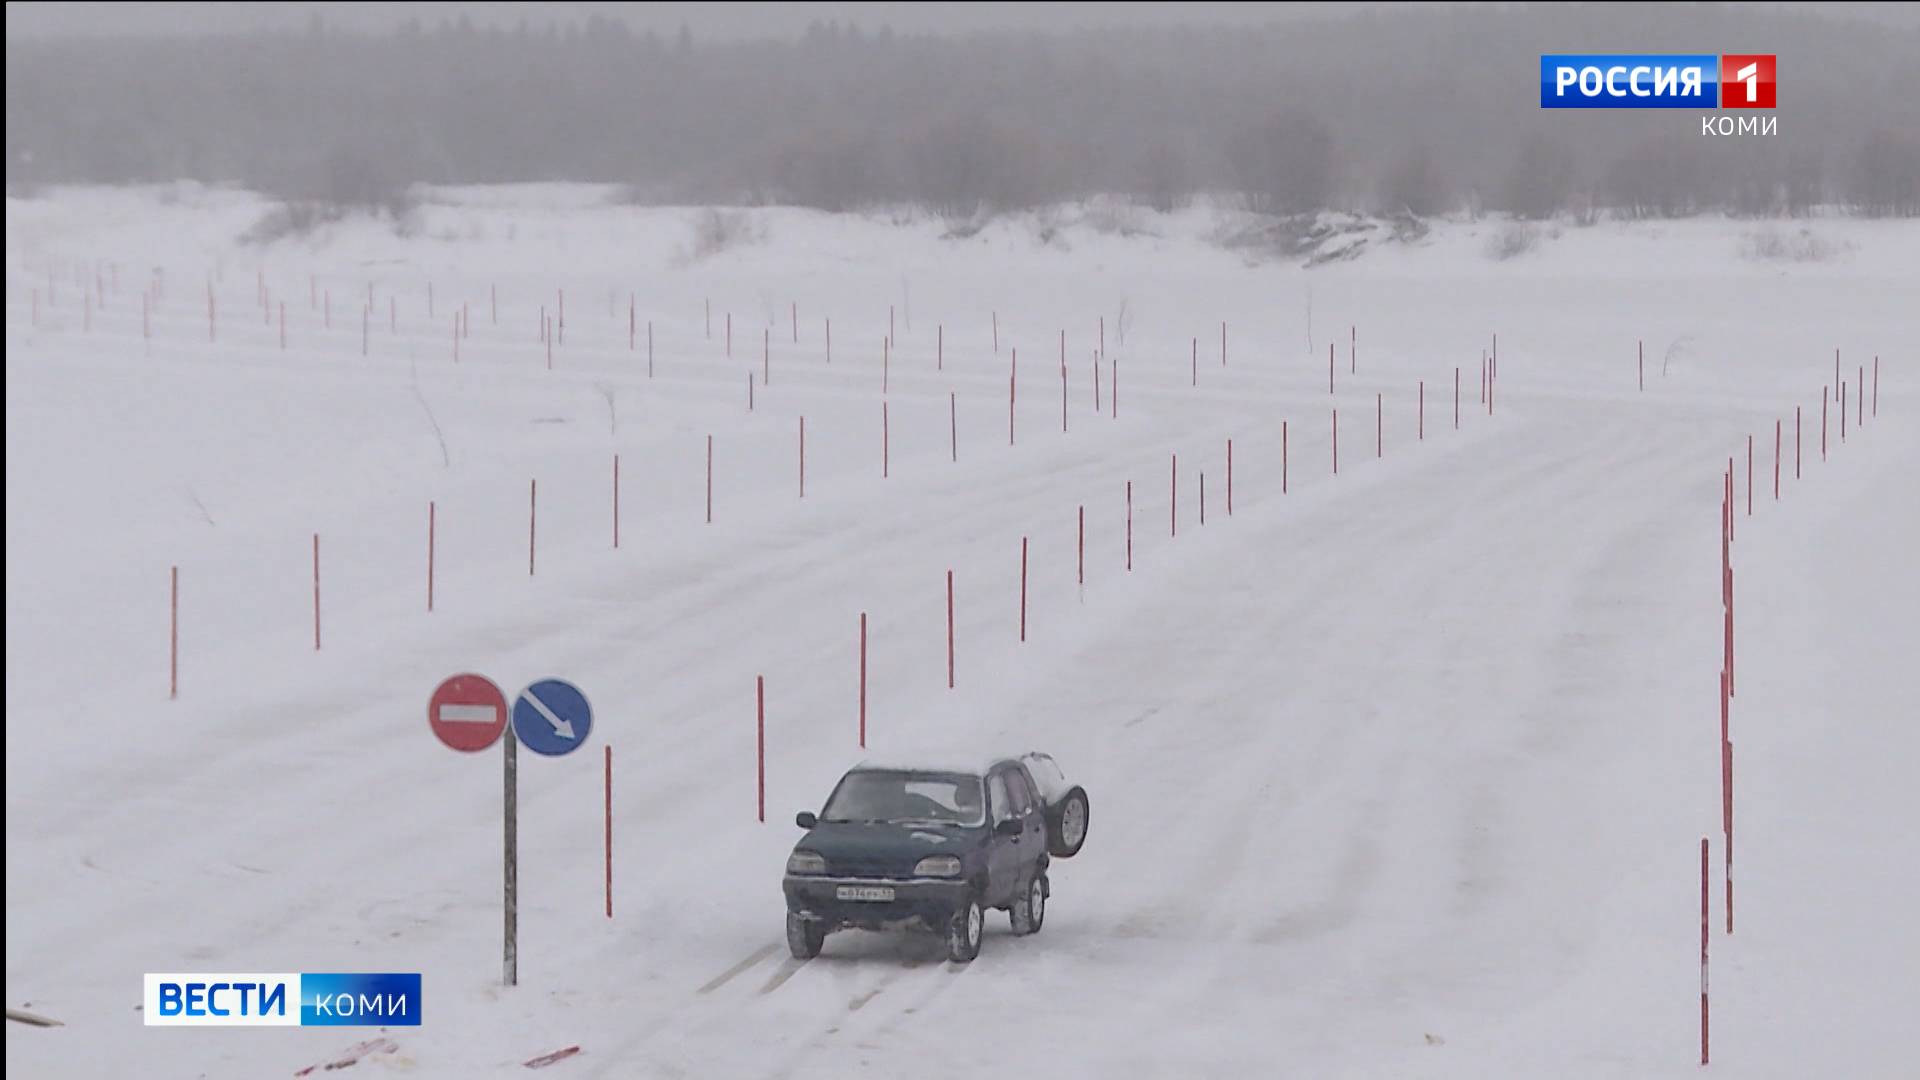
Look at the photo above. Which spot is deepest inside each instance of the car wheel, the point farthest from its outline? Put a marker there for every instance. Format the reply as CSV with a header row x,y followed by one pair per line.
x,y
805,936
1067,824
1030,911
965,931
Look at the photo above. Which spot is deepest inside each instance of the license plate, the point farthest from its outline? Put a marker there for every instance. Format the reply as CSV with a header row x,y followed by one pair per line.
x,y
881,893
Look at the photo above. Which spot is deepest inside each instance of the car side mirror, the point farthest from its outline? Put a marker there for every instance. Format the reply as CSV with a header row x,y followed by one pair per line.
x,y
805,819
1009,827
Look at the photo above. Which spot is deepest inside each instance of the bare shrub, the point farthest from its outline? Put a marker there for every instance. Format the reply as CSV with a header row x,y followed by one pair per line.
x,y
1513,241
1801,245
716,230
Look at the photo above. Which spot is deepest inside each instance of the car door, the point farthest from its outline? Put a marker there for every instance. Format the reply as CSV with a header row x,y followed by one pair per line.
x,y
1004,853
1033,817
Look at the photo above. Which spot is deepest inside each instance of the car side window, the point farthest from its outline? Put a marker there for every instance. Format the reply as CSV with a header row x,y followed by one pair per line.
x,y
1018,793
997,795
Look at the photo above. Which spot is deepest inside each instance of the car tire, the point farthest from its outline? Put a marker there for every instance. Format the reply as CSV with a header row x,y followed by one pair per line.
x,y
805,937
1029,912
1067,824
965,930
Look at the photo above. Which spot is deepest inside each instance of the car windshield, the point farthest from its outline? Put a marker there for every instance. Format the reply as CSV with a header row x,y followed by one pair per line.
x,y
907,798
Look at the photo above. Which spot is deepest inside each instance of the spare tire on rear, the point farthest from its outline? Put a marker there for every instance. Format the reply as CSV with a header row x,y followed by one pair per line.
x,y
1067,824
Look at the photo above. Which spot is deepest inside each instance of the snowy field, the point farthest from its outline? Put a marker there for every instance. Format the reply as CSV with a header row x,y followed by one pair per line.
x,y
1400,772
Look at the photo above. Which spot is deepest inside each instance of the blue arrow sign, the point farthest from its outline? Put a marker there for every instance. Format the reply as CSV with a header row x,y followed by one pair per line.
x,y
552,717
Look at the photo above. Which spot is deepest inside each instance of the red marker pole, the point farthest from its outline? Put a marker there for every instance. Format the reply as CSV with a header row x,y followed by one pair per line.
x,y
940,347
1229,477
1749,475
996,333
1096,384
1080,549
432,525
863,680
749,391
1456,399
1823,422
616,502
609,829
1422,429
1727,848
1196,362
533,519
793,310
1379,426
1776,460
393,315
1013,380
1203,499
1796,442
1223,344
1283,457
1063,395
949,629
316,592
803,457
1353,349
760,744
709,479
1129,526
173,634
1704,862
1023,588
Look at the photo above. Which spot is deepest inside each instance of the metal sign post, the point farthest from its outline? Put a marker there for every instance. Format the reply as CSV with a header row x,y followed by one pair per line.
x,y
510,957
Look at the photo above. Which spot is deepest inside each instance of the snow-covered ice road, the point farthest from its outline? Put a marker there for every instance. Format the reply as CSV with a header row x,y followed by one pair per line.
x,y
1399,773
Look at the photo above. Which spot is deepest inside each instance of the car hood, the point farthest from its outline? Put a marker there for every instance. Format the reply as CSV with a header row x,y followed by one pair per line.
x,y
877,847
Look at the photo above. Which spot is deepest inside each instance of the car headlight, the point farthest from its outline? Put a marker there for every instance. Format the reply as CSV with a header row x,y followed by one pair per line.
x,y
937,866
806,862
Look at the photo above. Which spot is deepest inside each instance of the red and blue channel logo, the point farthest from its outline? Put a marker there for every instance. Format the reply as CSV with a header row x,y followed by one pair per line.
x,y
1657,81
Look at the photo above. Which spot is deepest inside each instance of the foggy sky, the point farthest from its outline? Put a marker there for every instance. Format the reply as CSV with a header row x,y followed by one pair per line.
x,y
723,21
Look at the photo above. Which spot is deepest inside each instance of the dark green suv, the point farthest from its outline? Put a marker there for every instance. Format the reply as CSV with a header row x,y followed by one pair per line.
x,y
933,848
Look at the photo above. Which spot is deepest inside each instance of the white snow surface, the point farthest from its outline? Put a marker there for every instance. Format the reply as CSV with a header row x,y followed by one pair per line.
x,y
1401,773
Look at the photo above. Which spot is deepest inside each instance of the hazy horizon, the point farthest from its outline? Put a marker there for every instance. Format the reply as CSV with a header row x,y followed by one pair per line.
x,y
741,21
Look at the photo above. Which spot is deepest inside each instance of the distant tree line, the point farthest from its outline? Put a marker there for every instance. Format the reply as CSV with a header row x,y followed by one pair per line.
x,y
1421,112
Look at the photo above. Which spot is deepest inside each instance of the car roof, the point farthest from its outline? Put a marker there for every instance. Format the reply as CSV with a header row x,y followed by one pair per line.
x,y
977,767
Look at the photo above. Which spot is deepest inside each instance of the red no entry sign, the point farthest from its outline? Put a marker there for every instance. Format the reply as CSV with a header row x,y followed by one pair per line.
x,y
467,712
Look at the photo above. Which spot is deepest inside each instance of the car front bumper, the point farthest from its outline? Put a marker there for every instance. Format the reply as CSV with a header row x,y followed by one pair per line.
x,y
931,902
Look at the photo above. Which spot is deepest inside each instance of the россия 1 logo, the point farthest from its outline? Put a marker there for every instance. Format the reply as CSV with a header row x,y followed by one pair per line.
x,y
1653,81
309,999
